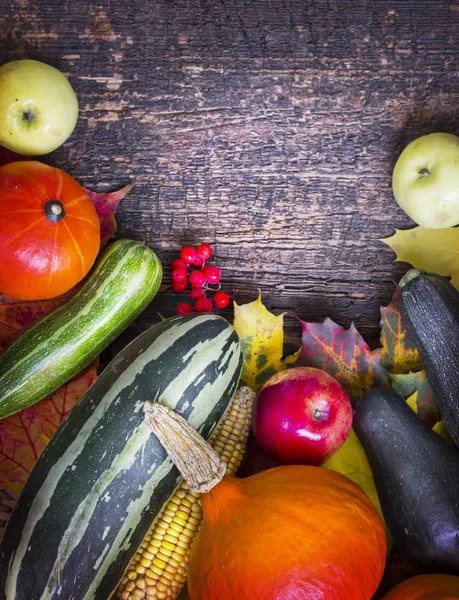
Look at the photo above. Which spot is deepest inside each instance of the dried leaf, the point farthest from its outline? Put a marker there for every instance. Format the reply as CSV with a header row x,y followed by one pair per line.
x,y
398,353
434,250
417,383
351,460
24,435
262,340
106,205
8,156
343,354
17,314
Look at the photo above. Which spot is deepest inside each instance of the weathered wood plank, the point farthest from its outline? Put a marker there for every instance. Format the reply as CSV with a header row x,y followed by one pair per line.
x,y
269,129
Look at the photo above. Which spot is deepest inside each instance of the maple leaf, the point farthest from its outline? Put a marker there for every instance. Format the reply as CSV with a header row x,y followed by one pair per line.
x,y
106,205
433,250
24,435
398,353
343,354
17,314
262,342
416,386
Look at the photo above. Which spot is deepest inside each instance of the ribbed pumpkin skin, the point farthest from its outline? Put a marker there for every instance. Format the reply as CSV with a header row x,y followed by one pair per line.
x,y
289,533
102,479
426,587
43,258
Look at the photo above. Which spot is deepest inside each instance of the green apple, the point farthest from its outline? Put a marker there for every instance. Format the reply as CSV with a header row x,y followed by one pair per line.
x,y
425,180
38,107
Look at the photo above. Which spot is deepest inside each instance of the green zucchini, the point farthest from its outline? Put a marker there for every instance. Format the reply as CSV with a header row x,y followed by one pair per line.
x,y
94,492
430,312
123,282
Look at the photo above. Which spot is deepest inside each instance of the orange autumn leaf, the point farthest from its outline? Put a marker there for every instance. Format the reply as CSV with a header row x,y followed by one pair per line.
x,y
24,435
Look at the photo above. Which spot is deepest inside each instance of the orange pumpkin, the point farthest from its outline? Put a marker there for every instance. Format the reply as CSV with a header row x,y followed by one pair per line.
x,y
49,231
426,587
292,532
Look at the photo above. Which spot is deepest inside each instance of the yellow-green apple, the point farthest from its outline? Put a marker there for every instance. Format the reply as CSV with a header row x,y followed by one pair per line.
x,y
38,107
425,180
301,416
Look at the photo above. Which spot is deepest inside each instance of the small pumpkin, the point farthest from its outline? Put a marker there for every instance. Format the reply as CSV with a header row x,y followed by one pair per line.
x,y
49,231
290,532
426,587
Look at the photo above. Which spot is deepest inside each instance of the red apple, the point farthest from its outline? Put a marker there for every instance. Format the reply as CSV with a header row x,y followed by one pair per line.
x,y
302,416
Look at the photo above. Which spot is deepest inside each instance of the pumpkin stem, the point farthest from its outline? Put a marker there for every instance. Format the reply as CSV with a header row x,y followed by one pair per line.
x,y
197,461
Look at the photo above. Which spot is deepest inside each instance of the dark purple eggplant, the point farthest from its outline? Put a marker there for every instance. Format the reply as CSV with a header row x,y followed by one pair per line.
x,y
416,473
430,313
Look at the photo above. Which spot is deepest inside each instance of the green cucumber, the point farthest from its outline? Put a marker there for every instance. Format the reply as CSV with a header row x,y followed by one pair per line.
x,y
94,492
47,354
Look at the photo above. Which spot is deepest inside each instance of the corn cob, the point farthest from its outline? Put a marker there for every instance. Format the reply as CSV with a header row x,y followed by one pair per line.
x,y
158,570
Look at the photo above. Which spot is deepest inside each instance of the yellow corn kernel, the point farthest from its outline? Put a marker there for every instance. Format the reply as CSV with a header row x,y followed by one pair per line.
x,y
158,570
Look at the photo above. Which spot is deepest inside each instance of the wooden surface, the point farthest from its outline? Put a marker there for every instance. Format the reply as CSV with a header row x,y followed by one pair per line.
x,y
268,128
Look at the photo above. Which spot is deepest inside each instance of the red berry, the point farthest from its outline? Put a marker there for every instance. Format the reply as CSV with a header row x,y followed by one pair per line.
x,y
204,251
198,262
179,286
197,279
184,308
213,274
221,299
178,264
179,275
203,305
197,293
188,254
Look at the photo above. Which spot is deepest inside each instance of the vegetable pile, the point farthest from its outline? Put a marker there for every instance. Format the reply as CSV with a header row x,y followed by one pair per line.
x,y
201,461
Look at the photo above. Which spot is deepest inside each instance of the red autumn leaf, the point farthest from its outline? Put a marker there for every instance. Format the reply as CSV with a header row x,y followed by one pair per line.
x,y
106,205
398,353
8,156
17,314
24,435
343,354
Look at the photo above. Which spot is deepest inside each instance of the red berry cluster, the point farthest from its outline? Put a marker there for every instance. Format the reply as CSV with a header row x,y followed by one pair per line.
x,y
200,279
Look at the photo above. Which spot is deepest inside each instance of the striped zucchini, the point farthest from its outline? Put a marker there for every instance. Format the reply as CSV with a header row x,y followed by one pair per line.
x,y
91,497
124,280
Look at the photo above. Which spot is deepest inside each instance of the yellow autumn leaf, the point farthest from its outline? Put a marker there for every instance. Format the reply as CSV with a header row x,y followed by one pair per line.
x,y
412,402
433,250
439,427
262,341
351,460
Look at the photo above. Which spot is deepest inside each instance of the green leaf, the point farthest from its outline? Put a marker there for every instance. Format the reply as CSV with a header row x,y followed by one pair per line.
x,y
417,383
